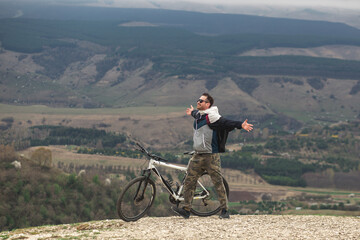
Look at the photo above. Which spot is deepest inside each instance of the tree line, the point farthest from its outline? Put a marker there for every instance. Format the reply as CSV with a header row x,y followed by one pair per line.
x,y
45,135
264,156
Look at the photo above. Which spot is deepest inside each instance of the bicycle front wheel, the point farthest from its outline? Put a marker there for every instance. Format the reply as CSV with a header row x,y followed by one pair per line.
x,y
210,205
136,199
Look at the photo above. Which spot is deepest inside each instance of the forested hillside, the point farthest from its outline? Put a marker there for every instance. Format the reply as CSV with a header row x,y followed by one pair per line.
x,y
105,64
279,157
36,191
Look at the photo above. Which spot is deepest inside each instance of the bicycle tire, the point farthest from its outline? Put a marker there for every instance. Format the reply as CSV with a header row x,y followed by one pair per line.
x,y
213,207
131,208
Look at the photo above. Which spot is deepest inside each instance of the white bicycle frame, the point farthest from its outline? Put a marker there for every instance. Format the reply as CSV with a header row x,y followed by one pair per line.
x,y
176,195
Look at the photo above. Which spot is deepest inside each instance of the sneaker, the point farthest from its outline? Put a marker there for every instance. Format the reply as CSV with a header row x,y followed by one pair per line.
x,y
224,214
182,212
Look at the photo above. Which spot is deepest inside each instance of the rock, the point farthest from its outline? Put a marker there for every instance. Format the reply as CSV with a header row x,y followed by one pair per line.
x,y
16,164
107,182
81,172
251,227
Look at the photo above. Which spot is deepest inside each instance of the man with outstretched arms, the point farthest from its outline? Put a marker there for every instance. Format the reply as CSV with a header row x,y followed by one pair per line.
x,y
210,134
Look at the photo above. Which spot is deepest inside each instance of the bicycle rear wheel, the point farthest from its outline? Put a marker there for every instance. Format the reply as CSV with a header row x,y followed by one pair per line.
x,y
136,199
210,205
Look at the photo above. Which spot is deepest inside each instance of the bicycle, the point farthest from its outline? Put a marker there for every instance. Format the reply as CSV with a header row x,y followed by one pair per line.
x,y
139,194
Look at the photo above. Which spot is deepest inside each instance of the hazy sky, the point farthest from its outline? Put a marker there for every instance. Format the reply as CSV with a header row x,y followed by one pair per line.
x,y
314,3
347,4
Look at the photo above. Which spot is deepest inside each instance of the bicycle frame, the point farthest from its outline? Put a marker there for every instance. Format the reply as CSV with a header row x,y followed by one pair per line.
x,y
176,195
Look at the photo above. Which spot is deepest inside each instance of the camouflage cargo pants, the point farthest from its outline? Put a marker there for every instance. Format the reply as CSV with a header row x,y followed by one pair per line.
x,y
196,167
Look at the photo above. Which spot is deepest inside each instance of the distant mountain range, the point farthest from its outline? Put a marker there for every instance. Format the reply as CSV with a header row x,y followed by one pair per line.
x,y
347,12
106,57
204,23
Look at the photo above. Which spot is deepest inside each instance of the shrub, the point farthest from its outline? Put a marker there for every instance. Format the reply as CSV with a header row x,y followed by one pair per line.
x,y
42,156
8,120
96,180
314,207
7,153
355,89
247,84
316,83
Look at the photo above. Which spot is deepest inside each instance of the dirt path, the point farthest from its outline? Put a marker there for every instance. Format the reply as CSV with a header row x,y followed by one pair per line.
x,y
238,227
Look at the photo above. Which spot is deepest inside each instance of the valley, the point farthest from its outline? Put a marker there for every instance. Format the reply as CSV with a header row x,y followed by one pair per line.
x,y
77,90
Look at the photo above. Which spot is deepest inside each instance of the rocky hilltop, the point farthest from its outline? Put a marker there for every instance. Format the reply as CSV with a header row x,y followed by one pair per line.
x,y
238,227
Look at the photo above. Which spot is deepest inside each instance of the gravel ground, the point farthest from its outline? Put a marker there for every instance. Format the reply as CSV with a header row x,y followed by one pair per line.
x,y
237,227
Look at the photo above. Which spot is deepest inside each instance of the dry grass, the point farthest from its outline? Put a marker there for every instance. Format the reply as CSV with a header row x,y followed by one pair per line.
x,y
338,52
61,154
160,127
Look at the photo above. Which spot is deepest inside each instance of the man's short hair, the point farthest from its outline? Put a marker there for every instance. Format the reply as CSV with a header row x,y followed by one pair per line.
x,y
209,98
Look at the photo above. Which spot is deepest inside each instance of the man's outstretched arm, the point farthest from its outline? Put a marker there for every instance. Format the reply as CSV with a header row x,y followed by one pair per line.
x,y
228,124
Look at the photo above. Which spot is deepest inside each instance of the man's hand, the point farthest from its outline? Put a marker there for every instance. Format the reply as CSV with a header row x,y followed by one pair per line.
x,y
246,126
189,110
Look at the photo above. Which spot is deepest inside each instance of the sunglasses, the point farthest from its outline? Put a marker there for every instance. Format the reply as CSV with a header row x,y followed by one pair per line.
x,y
201,101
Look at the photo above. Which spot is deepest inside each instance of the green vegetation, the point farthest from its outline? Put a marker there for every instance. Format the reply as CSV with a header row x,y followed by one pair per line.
x,y
355,89
247,84
316,83
59,135
174,51
7,123
279,157
282,158
280,171
291,66
148,40
277,171
55,61
322,147
37,195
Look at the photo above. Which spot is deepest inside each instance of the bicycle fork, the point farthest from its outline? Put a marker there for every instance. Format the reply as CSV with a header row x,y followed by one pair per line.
x,y
140,196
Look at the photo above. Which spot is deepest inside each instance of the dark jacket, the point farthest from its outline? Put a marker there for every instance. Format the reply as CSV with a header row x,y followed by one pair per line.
x,y
211,137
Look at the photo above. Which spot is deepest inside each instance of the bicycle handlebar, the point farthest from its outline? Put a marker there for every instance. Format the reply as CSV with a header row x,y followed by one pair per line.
x,y
150,155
